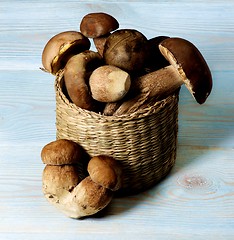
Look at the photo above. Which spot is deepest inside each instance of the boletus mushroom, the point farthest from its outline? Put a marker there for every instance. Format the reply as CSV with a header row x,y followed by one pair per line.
x,y
62,151
126,49
74,197
187,66
188,61
94,25
106,171
60,48
76,76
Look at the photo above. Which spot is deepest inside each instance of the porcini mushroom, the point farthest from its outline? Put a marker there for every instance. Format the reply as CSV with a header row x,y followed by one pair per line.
x,y
98,24
188,67
109,83
75,198
76,76
190,64
62,151
60,48
106,171
126,49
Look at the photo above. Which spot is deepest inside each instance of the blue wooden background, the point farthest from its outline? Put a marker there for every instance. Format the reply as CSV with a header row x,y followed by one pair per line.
x,y
196,201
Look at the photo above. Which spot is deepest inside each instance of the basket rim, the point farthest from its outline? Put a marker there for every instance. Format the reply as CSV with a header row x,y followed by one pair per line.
x,y
141,113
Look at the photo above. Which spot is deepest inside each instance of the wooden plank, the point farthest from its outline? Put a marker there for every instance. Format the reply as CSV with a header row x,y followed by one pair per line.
x,y
195,201
23,42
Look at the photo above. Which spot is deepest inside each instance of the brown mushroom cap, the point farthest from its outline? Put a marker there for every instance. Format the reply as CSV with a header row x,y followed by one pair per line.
x,y
191,65
126,49
105,171
155,60
62,151
97,24
60,47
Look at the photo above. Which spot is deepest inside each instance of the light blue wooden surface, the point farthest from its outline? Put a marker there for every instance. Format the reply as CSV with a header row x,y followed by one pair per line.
x,y
196,201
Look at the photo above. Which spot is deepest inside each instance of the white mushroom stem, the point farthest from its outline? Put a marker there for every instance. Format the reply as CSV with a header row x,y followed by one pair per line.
x,y
157,85
160,83
85,199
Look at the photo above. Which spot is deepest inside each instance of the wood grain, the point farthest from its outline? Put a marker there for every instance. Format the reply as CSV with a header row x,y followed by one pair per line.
x,y
196,201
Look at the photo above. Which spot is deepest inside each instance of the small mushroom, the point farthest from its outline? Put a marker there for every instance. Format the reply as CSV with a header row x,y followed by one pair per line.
x,y
106,171
62,151
60,48
190,64
76,77
94,25
126,49
109,83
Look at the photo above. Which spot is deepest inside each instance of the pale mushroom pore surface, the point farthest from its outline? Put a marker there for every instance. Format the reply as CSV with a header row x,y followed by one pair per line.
x,y
170,57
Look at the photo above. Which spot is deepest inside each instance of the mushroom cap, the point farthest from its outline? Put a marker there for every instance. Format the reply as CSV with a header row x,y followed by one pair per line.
x,y
60,47
106,171
155,60
62,151
191,65
126,49
97,24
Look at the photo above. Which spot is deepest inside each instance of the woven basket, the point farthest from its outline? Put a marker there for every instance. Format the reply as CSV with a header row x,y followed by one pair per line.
x,y
144,142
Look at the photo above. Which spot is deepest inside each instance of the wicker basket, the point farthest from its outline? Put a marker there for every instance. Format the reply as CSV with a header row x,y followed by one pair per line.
x,y
144,142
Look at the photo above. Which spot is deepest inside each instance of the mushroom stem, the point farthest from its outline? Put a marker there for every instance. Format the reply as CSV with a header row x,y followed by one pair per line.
x,y
160,83
155,85
109,83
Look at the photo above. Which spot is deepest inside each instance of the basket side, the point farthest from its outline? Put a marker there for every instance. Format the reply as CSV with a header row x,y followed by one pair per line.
x,y
145,144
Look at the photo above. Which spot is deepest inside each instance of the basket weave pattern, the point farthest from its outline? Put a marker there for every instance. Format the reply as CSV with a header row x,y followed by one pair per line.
x,y
144,142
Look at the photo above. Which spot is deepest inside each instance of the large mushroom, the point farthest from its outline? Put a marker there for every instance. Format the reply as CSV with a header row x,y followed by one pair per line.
x,y
191,66
187,66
